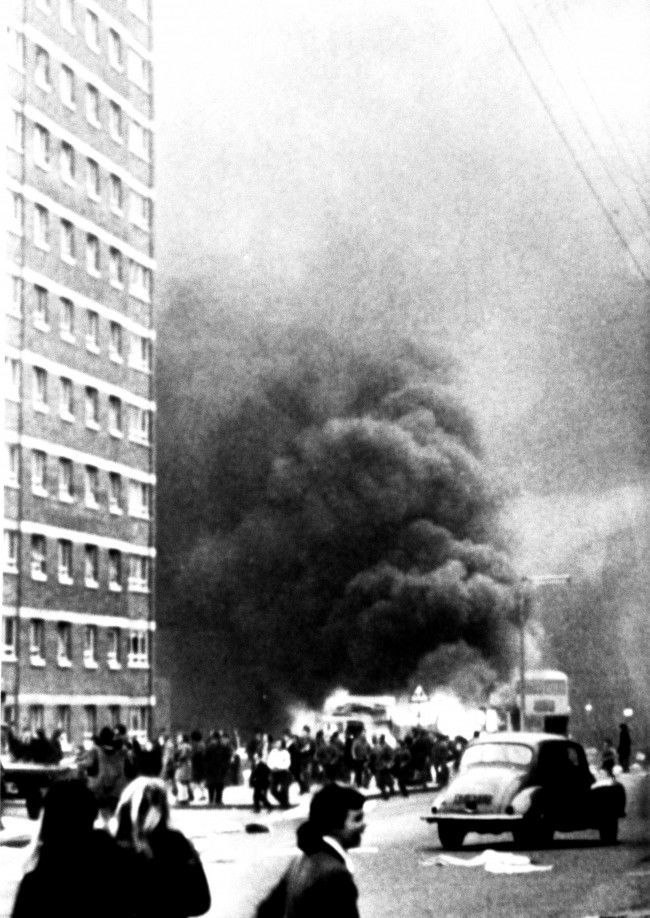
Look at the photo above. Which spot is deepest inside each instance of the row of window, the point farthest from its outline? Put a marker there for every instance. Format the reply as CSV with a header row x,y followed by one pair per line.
x,y
140,352
67,8
137,655
68,159
139,573
139,421
60,718
62,485
96,112
139,276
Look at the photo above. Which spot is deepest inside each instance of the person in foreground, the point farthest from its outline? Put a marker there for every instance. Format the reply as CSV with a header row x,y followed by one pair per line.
x,y
163,871
71,860
319,882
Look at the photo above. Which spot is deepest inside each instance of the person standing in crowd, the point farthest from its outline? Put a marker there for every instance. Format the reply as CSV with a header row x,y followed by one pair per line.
x,y
218,754
71,861
624,748
279,762
183,770
360,753
107,767
198,765
306,750
319,882
402,767
384,760
260,782
608,758
163,872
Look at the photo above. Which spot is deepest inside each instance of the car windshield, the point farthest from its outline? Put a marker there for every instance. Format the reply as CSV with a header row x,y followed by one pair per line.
x,y
514,754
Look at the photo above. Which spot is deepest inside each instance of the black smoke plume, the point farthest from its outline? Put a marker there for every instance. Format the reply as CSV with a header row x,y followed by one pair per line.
x,y
327,518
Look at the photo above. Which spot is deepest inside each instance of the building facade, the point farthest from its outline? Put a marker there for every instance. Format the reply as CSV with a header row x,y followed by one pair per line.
x,y
78,339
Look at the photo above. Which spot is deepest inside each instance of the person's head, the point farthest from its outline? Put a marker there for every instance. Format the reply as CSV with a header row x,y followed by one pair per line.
x,y
69,812
142,808
306,730
337,810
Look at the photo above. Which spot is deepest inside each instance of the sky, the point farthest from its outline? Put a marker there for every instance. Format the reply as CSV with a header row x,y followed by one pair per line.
x,y
385,168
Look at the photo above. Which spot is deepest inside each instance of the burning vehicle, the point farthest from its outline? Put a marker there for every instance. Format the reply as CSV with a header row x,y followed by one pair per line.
x,y
530,784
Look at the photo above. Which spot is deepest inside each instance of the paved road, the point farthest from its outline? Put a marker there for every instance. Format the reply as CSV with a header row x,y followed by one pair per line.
x,y
397,874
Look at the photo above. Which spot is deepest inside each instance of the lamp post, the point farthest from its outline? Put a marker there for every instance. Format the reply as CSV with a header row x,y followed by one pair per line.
x,y
525,604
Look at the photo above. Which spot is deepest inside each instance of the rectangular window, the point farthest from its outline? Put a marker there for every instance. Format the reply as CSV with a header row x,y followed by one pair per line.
x,y
35,717
114,655
66,12
91,566
10,565
67,86
115,121
138,574
67,163
92,331
64,556
141,353
12,379
9,637
91,487
139,210
41,308
115,493
138,69
90,715
114,49
40,389
138,649
92,408
92,179
138,723
92,105
16,213
42,71
66,399
66,481
41,227
139,141
139,500
41,146
37,640
90,647
139,281
64,722
93,264
12,472
139,8
16,131
38,558
67,242
117,197
115,343
115,416
91,30
114,570
66,319
15,305
115,268
64,644
39,473
140,429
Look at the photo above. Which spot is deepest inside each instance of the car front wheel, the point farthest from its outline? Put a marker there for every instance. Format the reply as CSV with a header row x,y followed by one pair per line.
x,y
608,830
451,837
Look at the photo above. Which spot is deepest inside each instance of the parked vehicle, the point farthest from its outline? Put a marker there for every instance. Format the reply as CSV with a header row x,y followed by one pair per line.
x,y
28,781
530,784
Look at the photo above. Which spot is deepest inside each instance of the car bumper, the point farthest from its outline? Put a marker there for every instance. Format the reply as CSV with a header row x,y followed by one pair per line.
x,y
487,823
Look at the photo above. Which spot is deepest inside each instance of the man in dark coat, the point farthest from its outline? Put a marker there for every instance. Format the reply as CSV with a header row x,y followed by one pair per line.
x,y
319,884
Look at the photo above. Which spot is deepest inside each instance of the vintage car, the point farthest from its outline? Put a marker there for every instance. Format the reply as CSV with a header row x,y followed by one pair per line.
x,y
30,780
529,784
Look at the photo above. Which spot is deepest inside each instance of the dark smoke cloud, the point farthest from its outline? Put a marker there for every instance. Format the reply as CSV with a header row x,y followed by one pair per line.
x,y
338,525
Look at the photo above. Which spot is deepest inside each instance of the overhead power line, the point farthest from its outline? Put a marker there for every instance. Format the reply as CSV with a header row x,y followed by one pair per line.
x,y
576,161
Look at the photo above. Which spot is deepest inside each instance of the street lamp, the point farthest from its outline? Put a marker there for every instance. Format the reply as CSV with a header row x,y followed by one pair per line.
x,y
524,607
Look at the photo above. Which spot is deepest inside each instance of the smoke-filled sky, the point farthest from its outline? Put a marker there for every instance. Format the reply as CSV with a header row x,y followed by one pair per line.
x,y
388,166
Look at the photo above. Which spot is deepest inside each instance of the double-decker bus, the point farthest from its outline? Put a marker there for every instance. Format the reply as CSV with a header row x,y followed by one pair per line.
x,y
546,700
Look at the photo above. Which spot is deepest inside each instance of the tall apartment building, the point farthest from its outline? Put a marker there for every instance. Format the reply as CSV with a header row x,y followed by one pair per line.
x,y
78,615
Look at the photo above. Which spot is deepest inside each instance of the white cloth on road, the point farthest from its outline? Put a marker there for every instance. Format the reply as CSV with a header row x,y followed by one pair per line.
x,y
492,861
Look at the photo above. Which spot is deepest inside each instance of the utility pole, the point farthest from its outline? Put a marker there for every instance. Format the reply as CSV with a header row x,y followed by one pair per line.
x,y
525,605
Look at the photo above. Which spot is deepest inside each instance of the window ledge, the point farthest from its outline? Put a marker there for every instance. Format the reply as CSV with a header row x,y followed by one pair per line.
x,y
91,584
117,285
91,664
69,418
40,325
12,484
43,246
69,181
68,260
64,663
94,197
92,425
137,664
38,577
37,660
66,498
67,336
113,664
116,511
9,570
9,657
42,165
16,231
93,273
41,409
114,587
116,358
69,105
39,492
44,87
66,581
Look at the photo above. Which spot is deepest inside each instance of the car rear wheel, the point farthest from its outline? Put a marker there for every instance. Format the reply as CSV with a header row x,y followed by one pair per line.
x,y
608,830
536,831
451,837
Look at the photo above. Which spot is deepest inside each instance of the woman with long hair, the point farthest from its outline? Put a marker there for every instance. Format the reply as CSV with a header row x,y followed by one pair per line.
x,y
164,873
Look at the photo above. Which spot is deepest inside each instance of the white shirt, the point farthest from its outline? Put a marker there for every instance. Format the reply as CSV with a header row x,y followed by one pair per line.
x,y
338,847
279,760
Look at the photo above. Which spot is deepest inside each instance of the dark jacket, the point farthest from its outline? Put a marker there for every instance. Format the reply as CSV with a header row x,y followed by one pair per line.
x,y
169,882
316,885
